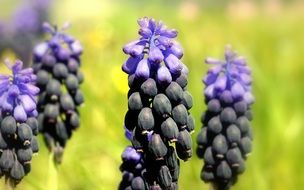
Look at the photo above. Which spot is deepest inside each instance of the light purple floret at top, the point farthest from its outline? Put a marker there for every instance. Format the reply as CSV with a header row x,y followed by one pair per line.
x,y
155,46
17,92
231,75
58,38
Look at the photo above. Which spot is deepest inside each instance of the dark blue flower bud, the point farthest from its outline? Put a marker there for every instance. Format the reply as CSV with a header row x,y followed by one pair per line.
x,y
165,178
72,83
215,125
8,126
24,155
25,134
6,160
187,100
134,102
169,129
138,184
157,147
66,102
149,88
223,171
145,120
161,105
17,171
184,145
220,146
180,115
60,71
174,92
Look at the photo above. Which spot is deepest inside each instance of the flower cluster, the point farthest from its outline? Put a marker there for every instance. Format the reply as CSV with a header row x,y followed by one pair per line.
x,y
133,170
57,65
158,103
224,141
18,124
24,28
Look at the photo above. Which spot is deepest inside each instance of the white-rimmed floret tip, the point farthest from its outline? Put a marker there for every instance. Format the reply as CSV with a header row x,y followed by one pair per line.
x,y
57,64
225,140
158,118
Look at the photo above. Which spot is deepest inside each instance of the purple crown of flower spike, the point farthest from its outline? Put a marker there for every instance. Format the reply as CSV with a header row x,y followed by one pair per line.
x,y
156,45
17,92
233,75
58,38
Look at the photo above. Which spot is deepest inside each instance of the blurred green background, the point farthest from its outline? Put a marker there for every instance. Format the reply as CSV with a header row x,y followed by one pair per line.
x,y
270,34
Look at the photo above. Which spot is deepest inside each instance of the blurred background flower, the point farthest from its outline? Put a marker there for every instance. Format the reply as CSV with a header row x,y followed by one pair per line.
x,y
268,33
23,27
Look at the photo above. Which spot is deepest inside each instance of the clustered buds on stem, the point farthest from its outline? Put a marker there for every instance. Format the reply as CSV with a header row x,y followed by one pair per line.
x,y
18,122
56,63
133,169
224,141
158,120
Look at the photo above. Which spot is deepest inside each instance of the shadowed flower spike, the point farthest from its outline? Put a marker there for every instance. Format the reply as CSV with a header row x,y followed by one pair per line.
x,y
18,124
158,103
57,65
224,141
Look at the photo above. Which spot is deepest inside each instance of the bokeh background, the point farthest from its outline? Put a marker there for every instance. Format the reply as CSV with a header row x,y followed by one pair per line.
x,y
270,34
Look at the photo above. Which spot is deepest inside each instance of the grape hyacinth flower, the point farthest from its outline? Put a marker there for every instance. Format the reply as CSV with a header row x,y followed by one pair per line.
x,y
57,65
158,103
225,140
18,123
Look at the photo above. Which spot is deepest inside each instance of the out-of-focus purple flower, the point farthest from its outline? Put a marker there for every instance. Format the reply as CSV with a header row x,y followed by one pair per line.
x,y
233,75
17,92
26,19
156,45
225,139
56,43
24,27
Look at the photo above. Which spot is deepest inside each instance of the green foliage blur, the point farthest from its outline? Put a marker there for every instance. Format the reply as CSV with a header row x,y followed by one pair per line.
x,y
270,34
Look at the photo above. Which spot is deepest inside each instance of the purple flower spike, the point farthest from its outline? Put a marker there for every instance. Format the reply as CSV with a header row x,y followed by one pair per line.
x,y
158,109
17,91
225,139
57,63
18,123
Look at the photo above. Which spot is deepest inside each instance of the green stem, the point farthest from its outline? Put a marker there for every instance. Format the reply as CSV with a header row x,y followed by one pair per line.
x,y
52,180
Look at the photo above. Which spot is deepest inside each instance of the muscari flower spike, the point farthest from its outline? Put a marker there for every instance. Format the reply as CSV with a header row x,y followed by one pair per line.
x,y
57,65
18,122
225,139
158,104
